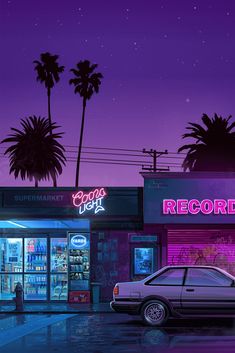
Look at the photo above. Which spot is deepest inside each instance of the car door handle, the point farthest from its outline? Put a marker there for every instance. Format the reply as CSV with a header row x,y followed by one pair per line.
x,y
189,290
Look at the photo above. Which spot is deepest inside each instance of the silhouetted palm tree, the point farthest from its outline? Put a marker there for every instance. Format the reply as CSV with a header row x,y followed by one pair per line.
x,y
214,149
48,71
35,152
86,83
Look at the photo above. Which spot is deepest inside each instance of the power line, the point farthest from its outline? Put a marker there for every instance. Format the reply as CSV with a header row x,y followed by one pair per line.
x,y
122,154
126,161
105,148
98,162
110,153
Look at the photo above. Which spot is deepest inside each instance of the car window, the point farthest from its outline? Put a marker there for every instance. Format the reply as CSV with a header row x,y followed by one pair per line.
x,y
171,277
206,277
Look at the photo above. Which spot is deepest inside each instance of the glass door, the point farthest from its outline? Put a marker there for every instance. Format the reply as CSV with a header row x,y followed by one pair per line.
x,y
35,266
59,268
11,266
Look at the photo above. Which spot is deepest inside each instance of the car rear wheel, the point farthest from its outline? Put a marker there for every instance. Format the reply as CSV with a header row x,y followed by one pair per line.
x,y
154,313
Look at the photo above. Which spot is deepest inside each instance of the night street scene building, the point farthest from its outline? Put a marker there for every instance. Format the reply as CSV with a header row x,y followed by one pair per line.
x,y
73,245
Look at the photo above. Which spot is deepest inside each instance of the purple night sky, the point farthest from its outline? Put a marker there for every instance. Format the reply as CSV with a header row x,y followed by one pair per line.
x,y
164,64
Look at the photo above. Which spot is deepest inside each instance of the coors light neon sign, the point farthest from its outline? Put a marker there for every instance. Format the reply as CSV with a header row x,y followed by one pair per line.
x,y
90,201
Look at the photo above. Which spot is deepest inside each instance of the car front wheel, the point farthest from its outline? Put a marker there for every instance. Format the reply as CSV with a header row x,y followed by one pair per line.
x,y
154,313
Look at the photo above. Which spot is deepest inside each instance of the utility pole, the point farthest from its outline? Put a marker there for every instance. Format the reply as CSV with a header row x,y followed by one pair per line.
x,y
154,154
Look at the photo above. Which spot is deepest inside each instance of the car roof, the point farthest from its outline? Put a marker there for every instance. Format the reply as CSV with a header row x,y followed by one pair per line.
x,y
199,266
188,266
194,266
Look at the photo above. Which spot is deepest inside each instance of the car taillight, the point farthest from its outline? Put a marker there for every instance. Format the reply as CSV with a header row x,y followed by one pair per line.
x,y
116,290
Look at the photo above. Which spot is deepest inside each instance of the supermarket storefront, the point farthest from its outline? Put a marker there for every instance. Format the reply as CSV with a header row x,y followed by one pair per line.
x,y
58,242
195,214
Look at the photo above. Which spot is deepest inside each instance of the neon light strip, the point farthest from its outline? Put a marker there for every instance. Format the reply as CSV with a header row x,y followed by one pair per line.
x,y
16,224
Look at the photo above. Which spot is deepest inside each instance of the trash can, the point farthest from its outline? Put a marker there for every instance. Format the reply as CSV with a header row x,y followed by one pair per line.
x,y
95,292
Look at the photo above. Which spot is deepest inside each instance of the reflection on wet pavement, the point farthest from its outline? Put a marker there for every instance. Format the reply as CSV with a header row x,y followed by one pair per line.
x,y
121,333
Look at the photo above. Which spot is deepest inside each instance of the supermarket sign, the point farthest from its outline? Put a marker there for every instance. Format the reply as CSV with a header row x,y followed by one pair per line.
x,y
89,201
78,241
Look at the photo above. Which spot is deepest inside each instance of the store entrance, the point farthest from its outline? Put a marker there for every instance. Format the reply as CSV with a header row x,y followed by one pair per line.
x,y
36,258
39,263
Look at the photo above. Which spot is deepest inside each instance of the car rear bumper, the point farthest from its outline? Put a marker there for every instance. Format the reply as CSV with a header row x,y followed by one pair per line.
x,y
125,307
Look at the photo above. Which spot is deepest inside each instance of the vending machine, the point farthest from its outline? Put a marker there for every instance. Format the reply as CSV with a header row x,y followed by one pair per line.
x,y
79,267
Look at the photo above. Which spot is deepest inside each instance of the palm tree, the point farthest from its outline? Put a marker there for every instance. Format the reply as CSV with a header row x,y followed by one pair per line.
x,y
48,71
35,152
86,83
214,149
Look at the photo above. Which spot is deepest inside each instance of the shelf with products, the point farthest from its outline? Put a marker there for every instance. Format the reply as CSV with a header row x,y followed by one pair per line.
x,y
79,262
35,287
34,292
59,255
35,255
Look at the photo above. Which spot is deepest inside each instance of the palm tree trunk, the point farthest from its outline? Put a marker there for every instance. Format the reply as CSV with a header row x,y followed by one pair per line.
x,y
50,122
49,107
80,143
36,183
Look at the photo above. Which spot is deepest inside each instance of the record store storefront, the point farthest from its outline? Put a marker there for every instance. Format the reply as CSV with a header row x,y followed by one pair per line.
x,y
57,242
195,215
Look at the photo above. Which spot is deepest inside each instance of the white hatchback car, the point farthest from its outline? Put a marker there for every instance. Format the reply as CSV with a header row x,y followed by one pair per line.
x,y
177,291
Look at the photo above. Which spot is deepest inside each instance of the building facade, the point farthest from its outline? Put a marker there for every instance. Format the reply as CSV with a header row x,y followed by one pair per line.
x,y
194,215
58,242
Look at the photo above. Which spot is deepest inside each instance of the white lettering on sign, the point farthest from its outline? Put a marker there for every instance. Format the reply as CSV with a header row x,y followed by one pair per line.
x,y
78,241
89,201
194,206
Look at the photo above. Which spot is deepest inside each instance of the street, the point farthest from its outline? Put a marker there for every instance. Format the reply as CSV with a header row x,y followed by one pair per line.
x,y
113,333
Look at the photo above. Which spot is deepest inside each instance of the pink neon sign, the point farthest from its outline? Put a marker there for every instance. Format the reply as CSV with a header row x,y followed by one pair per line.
x,y
194,206
91,200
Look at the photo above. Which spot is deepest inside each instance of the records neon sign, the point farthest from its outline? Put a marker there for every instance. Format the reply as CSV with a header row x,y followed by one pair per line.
x,y
90,201
194,206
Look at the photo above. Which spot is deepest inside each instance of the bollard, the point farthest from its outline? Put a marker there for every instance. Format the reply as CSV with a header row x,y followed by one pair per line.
x,y
19,297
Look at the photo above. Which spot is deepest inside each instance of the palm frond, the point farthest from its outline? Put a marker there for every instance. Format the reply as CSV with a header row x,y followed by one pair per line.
x,y
34,152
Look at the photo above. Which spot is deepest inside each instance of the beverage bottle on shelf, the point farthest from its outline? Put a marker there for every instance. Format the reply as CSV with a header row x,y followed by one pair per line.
x,y
37,246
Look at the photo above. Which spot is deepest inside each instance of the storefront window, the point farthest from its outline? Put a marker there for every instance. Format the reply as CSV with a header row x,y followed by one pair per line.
x,y
59,287
7,285
143,261
35,255
35,287
59,255
11,255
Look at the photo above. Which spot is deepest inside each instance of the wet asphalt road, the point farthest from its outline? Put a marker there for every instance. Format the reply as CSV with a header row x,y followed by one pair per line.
x,y
112,333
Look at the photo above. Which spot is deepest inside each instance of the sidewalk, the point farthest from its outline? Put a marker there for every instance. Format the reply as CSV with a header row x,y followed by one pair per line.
x,y
57,308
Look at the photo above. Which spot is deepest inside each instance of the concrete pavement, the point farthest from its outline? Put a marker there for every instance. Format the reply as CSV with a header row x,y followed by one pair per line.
x,y
60,308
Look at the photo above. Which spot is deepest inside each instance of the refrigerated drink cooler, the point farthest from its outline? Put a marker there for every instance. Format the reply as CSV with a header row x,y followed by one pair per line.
x,y
79,267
